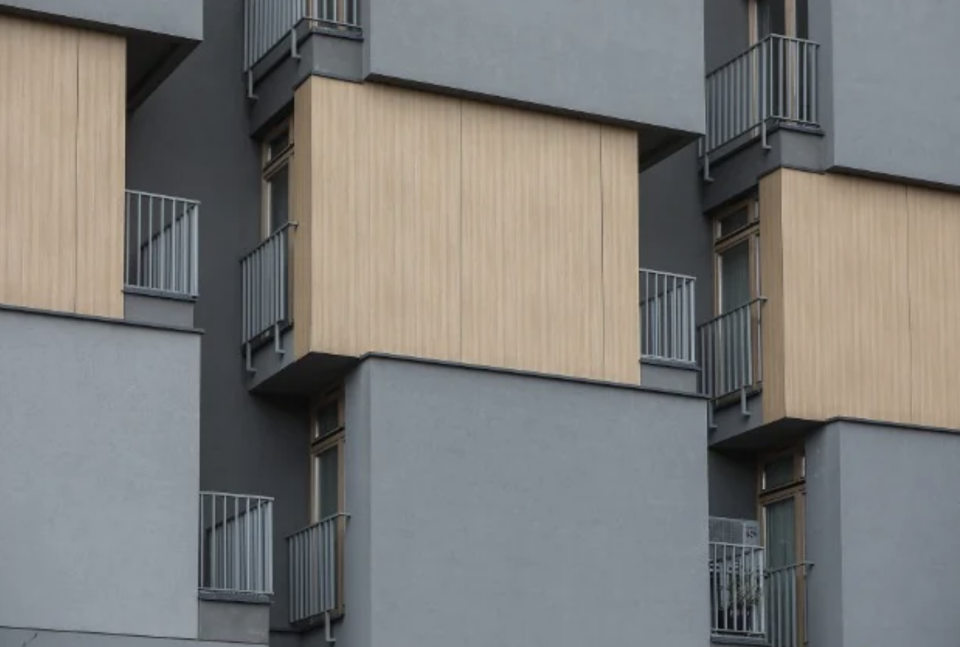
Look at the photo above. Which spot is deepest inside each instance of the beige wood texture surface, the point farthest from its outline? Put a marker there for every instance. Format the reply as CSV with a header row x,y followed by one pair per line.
x,y
62,134
868,299
450,229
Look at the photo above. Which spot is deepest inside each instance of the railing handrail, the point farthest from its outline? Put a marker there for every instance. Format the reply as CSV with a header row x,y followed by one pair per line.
x,y
728,313
161,196
736,545
337,515
262,497
670,274
269,239
805,565
758,44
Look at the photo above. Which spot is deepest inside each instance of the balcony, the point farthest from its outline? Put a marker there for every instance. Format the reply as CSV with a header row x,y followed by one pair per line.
x,y
161,258
731,351
668,340
275,31
236,546
771,85
316,565
265,293
751,600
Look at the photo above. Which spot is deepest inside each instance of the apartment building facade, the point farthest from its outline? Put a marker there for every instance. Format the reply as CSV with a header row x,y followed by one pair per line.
x,y
401,323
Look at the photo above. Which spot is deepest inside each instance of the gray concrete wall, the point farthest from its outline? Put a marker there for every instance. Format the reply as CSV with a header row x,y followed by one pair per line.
x,y
191,138
177,18
503,508
99,469
40,638
234,622
893,107
882,522
639,61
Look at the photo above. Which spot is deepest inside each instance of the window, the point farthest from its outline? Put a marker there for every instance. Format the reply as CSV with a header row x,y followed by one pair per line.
x,y
328,494
326,457
782,501
737,246
277,153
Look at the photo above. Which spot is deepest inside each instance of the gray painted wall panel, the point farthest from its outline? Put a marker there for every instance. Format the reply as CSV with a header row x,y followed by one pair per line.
x,y
733,485
726,31
191,138
823,539
636,60
894,98
99,425
177,18
887,499
507,509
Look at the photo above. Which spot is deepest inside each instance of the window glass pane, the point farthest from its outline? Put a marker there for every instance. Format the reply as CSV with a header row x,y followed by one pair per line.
x,y
735,277
327,471
781,533
279,198
771,18
278,144
735,221
328,419
778,472
803,25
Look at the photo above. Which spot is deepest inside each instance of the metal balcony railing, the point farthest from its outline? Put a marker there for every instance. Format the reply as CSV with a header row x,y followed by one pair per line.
x,y
267,22
314,560
265,285
161,244
737,593
236,544
786,600
773,81
731,351
667,317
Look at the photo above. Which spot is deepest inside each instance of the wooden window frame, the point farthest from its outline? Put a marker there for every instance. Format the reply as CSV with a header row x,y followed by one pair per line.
x,y
751,233
270,166
796,489
320,444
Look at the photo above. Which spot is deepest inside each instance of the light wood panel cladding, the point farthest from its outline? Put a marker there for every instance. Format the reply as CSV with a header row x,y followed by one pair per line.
x,y
101,154
868,304
450,229
934,271
62,133
621,253
772,312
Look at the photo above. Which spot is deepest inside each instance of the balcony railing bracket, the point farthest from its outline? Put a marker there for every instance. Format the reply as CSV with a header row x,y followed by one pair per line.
x,y
328,628
248,352
294,49
277,343
744,409
251,95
